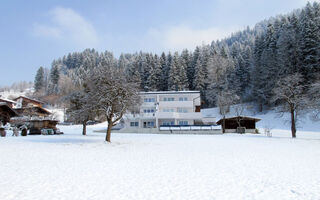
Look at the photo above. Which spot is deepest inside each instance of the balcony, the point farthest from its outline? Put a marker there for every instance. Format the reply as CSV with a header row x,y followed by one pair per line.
x,y
176,115
148,104
140,116
174,104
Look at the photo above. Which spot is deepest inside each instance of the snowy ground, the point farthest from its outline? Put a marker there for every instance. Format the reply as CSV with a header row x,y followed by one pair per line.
x,y
149,166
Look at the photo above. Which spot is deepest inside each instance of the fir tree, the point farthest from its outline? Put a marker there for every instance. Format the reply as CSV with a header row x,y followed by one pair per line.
x,y
174,73
39,80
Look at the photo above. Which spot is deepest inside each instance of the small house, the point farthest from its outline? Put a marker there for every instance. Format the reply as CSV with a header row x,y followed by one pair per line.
x,y
238,124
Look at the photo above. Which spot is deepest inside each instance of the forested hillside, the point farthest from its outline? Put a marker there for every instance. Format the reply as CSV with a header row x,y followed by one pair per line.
x,y
246,64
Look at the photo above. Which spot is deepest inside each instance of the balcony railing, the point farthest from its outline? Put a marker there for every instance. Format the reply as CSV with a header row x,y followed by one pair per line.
x,y
140,115
189,127
177,115
174,104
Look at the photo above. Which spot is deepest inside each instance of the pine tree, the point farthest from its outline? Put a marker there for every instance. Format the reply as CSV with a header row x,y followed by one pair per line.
x,y
164,73
54,79
199,79
174,73
154,79
192,68
186,61
183,80
39,80
309,45
134,74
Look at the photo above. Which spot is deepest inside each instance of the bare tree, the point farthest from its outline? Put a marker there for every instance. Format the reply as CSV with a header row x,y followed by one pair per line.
x,y
239,109
289,92
112,93
81,109
224,100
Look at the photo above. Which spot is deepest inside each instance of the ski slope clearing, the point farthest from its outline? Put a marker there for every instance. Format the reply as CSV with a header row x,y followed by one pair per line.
x,y
150,166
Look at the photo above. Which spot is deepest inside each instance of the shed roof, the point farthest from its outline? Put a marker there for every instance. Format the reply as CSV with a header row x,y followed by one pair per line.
x,y
236,117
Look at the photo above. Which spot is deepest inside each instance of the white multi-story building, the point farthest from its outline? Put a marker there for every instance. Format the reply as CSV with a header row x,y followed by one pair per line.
x,y
166,108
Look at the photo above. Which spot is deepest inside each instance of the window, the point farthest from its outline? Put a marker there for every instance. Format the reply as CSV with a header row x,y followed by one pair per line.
x,y
149,100
134,124
183,99
168,110
167,123
168,98
183,122
150,124
148,110
182,110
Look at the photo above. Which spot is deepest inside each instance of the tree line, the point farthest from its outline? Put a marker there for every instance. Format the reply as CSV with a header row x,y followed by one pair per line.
x,y
248,64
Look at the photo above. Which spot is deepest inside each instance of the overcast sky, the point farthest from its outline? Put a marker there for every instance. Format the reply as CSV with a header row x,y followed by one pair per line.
x,y
35,32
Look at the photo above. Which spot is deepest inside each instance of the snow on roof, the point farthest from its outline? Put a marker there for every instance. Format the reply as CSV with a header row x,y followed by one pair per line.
x,y
170,92
7,100
29,99
3,104
240,116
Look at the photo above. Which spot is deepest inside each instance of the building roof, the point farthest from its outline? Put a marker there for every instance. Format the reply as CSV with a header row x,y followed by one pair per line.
x,y
24,97
236,117
170,92
12,112
43,120
7,100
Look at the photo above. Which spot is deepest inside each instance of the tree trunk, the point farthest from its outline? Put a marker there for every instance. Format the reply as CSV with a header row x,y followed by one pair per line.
x,y
108,135
293,123
224,124
260,107
84,128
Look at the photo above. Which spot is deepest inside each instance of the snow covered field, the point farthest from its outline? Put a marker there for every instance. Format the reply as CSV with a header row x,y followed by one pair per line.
x,y
149,166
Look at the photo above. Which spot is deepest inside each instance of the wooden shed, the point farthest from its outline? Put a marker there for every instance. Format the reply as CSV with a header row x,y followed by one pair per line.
x,y
6,112
238,124
35,126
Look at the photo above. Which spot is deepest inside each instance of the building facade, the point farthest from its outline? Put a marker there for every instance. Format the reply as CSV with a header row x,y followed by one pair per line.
x,y
165,108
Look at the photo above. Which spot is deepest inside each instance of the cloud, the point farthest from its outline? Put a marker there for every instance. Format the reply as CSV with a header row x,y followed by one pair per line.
x,y
180,37
46,31
68,25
